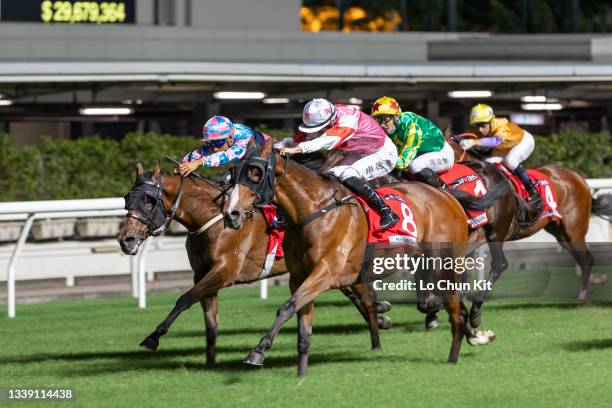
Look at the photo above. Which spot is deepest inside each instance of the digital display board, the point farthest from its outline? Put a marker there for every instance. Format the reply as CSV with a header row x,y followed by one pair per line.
x,y
68,12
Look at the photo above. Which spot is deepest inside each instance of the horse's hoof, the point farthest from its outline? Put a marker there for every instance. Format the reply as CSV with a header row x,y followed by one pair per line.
x,y
254,358
150,344
475,319
598,279
384,322
431,322
481,338
383,306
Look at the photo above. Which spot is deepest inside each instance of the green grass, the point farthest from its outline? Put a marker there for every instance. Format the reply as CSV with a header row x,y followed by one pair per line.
x,y
551,355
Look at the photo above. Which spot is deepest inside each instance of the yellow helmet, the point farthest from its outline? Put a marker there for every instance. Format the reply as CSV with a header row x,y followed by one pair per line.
x,y
481,113
386,106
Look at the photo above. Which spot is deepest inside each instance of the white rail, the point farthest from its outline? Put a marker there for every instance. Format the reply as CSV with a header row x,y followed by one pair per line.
x,y
33,210
101,207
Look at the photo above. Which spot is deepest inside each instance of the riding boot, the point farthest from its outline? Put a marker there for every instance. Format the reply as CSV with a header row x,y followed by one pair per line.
x,y
367,192
428,176
534,196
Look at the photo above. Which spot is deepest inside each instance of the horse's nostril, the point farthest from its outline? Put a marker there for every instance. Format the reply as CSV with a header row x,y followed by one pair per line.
x,y
235,214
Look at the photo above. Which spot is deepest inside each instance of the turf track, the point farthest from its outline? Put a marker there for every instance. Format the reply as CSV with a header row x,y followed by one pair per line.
x,y
555,354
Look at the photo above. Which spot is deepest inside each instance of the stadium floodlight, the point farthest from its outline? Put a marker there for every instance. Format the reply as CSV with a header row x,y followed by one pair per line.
x,y
275,100
533,98
522,118
355,101
239,95
106,111
5,102
470,94
541,106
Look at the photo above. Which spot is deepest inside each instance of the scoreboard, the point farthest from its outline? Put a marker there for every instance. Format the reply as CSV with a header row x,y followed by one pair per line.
x,y
68,12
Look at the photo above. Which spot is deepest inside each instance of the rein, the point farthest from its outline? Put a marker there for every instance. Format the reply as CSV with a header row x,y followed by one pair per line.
x,y
457,139
196,175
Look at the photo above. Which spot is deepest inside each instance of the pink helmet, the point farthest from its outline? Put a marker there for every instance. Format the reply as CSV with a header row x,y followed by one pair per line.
x,y
217,128
318,113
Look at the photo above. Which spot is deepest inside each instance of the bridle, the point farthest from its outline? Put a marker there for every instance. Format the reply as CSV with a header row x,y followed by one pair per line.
x,y
265,187
155,218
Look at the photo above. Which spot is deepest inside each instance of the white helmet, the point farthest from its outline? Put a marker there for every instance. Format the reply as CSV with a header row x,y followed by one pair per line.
x,y
318,113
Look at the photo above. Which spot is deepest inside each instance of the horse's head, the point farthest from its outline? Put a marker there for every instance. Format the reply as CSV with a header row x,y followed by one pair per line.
x,y
145,210
253,184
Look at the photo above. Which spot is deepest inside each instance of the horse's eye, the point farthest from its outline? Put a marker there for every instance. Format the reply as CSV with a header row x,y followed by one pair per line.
x,y
148,203
254,174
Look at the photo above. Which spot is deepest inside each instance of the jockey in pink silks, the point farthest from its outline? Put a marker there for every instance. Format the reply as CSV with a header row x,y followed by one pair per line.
x,y
370,153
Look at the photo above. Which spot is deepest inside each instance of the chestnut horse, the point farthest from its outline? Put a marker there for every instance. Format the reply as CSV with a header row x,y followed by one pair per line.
x,y
325,247
511,218
220,257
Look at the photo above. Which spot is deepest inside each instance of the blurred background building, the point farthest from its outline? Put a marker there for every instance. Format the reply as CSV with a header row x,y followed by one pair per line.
x,y
166,65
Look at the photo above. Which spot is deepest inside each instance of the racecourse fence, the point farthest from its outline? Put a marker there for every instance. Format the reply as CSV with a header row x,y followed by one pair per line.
x,y
102,257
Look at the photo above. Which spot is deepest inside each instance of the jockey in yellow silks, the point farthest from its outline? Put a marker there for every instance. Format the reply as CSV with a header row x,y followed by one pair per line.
x,y
511,144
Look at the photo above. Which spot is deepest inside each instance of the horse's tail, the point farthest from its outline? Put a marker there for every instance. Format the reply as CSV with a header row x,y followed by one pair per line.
x,y
602,205
483,203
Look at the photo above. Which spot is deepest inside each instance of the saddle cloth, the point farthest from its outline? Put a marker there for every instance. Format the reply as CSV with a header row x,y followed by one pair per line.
x,y
404,233
549,199
461,177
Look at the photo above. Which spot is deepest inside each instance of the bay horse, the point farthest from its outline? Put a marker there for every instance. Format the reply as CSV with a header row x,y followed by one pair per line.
x,y
325,247
219,256
511,218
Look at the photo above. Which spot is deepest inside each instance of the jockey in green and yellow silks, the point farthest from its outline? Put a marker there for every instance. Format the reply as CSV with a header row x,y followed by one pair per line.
x,y
422,149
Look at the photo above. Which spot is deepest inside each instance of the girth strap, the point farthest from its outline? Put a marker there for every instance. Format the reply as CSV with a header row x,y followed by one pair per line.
x,y
317,214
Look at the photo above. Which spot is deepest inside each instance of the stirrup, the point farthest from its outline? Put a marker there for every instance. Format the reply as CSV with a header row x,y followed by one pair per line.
x,y
393,219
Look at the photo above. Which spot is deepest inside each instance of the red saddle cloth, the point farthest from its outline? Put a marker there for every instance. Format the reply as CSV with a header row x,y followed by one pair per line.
x,y
276,234
549,199
461,177
404,233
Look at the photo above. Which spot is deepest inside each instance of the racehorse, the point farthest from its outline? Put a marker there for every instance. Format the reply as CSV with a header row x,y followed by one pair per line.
x,y
220,257
325,247
511,218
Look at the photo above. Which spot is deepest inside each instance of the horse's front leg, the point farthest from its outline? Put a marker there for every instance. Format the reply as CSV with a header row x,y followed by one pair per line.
x,y
209,285
304,316
317,282
499,264
210,306
367,297
354,293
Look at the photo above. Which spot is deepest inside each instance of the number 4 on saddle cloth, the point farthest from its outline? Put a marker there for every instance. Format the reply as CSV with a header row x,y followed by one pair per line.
x,y
549,199
461,177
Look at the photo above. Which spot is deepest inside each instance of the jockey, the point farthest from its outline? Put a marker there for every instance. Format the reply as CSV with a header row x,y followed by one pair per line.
x,y
423,151
510,144
224,142
370,153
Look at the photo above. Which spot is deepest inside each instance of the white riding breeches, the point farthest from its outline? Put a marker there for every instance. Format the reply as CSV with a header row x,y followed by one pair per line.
x,y
368,167
437,161
517,154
